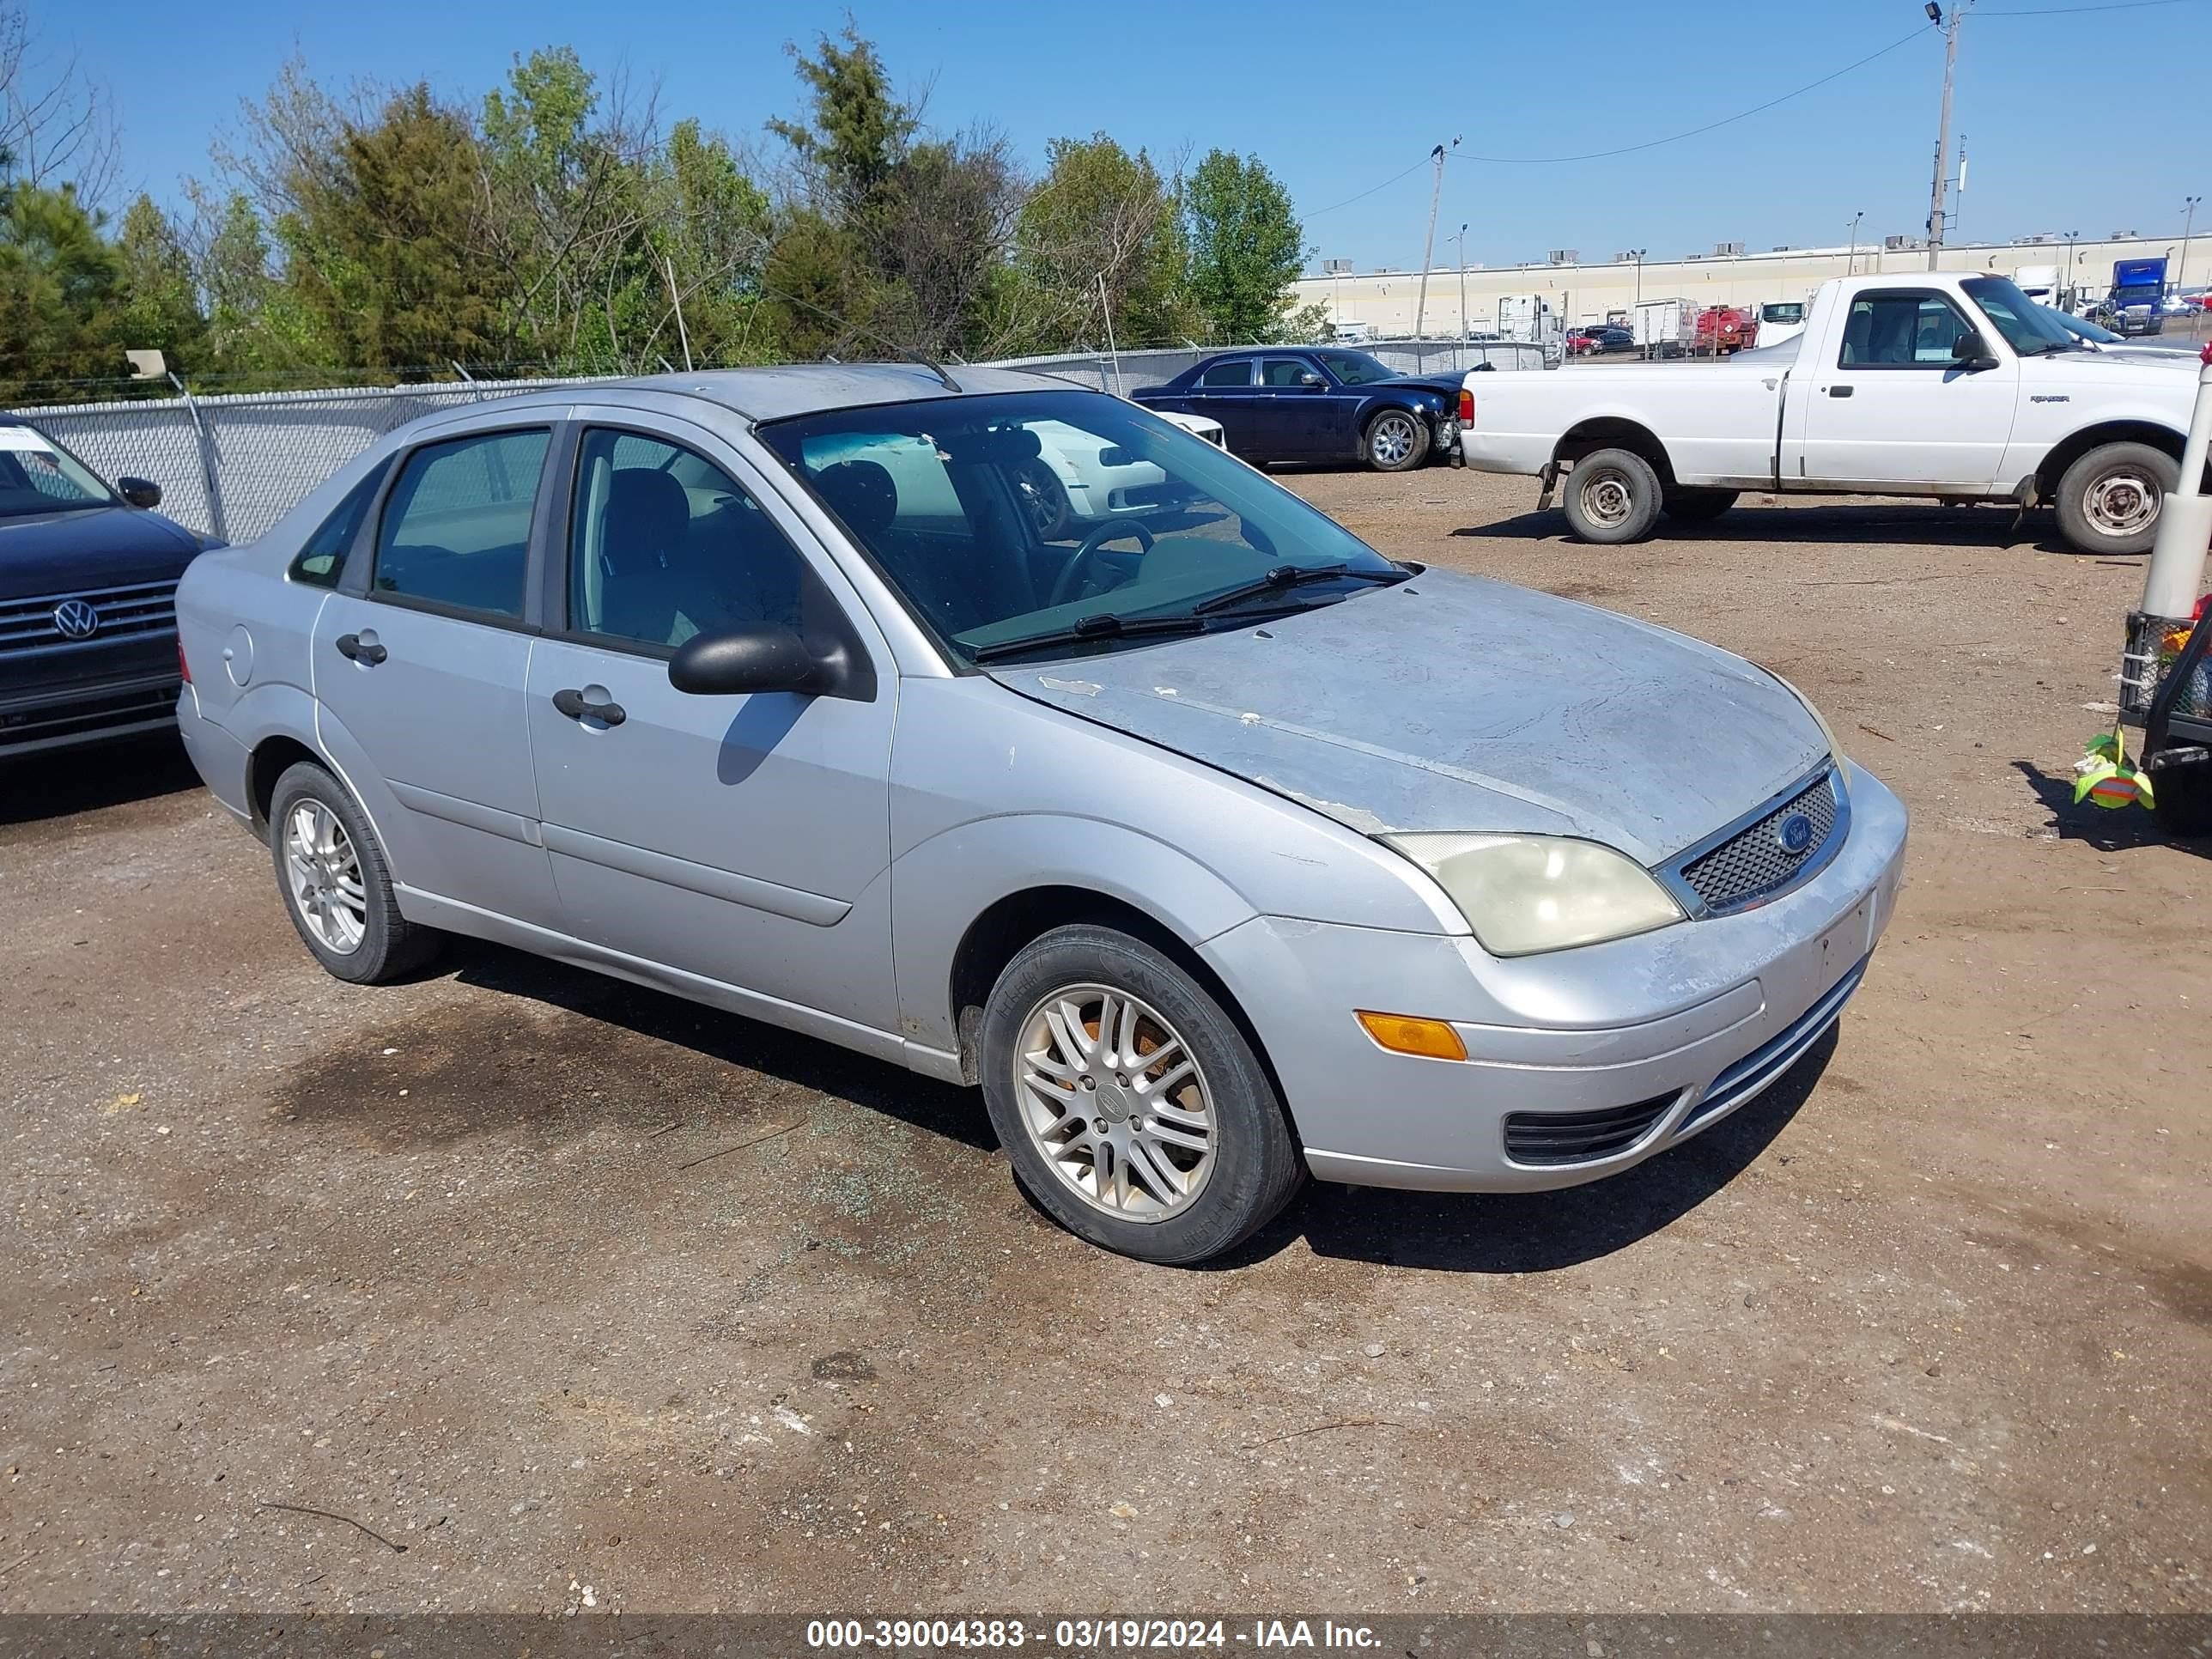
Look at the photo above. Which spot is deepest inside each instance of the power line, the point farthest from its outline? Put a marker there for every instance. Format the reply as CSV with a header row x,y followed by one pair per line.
x,y
1674,138
2072,11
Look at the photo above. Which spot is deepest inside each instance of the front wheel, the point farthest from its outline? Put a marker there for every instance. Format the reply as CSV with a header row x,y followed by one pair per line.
x,y
1611,497
1133,1108
1396,441
2108,500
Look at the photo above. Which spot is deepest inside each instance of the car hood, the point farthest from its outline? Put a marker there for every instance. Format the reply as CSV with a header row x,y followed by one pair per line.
x,y
100,547
1451,702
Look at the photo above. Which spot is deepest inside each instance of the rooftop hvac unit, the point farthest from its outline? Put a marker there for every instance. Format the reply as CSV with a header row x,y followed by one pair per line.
x,y
1336,267
1893,243
1627,256
1782,247
2124,236
1726,250
2036,240
1564,256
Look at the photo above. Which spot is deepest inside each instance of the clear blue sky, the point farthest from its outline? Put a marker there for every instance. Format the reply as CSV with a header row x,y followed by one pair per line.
x,y
2091,122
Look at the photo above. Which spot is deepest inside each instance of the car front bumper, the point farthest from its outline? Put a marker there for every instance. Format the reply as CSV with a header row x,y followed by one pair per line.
x,y
87,712
1631,1046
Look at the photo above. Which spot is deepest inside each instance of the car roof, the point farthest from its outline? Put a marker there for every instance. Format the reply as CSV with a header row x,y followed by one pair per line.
x,y
776,393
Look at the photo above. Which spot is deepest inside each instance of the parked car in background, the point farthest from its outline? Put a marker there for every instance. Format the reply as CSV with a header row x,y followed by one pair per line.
x,y
1959,388
1429,882
1318,403
1595,339
87,588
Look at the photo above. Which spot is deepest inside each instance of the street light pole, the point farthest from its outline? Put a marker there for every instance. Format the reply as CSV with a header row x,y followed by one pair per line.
x,y
1462,239
1640,274
2188,223
1851,264
2071,274
1943,126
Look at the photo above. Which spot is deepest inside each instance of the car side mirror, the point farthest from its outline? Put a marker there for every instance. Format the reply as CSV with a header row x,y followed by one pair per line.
x,y
1970,350
1310,381
139,492
761,657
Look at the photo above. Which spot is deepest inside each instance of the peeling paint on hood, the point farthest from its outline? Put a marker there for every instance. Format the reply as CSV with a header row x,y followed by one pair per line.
x,y
1452,702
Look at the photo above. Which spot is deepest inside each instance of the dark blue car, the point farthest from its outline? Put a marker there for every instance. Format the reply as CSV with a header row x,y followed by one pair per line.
x,y
1320,403
87,599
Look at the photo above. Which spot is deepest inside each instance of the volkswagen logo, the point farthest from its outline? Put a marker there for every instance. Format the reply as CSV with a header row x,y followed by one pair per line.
x,y
1793,834
75,620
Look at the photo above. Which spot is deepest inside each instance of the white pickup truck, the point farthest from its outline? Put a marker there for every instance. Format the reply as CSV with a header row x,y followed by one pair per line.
x,y
1953,386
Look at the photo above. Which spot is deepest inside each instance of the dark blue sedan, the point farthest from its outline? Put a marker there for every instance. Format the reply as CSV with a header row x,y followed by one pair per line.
x,y
87,599
1292,404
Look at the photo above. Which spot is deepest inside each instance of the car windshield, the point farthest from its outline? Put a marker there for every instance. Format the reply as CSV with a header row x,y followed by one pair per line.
x,y
2029,328
1357,367
39,476
1782,314
1069,518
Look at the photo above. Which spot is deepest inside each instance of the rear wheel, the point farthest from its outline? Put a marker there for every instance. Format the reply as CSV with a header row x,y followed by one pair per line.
x,y
1130,1104
337,886
2109,500
1396,441
1697,506
1612,495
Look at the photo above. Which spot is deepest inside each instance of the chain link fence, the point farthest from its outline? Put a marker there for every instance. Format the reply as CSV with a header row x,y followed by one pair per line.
x,y
232,464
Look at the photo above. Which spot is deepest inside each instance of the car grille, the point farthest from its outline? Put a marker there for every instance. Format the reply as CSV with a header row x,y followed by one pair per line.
x,y
1754,863
118,612
1555,1137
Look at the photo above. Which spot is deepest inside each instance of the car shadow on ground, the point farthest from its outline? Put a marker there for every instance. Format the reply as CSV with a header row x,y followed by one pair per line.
x,y
2108,829
1539,1232
733,1039
1890,522
58,785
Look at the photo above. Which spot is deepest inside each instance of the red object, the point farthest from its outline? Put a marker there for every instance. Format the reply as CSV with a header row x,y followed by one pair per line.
x,y
183,667
1737,330
2205,356
1466,407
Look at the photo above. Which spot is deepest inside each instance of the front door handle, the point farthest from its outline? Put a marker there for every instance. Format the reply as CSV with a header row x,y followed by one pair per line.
x,y
1839,392
574,705
353,649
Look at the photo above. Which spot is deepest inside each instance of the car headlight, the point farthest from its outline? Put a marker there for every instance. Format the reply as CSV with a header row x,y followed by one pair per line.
x,y
1828,732
1523,894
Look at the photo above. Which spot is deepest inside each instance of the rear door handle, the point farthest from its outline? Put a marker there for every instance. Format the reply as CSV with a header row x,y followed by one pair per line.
x,y
1839,392
572,703
353,649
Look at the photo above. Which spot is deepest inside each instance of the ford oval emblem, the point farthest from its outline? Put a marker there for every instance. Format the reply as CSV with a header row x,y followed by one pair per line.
x,y
1793,834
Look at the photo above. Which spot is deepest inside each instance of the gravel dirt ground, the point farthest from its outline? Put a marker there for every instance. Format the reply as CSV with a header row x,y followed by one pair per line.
x,y
584,1295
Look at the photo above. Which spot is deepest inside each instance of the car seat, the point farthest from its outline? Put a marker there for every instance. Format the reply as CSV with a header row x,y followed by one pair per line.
x,y
641,544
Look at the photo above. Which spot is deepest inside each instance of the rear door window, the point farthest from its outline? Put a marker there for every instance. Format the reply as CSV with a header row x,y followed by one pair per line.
x,y
455,533
1227,374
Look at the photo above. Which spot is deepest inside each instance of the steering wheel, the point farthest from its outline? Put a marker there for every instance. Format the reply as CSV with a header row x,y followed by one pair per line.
x,y
1063,589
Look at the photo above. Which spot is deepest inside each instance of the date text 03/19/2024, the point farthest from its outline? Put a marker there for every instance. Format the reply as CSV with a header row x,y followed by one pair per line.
x,y
1082,1635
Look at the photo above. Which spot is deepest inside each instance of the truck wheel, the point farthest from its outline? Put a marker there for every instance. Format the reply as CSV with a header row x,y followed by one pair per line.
x,y
2108,501
1395,442
1697,506
1132,1108
1613,496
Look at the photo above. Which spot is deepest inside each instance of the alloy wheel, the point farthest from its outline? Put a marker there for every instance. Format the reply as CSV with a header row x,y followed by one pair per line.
x,y
1116,1102
323,873
1392,439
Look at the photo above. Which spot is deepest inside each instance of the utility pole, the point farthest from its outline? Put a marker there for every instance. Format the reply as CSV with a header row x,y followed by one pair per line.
x,y
1462,239
1943,126
2188,223
1429,248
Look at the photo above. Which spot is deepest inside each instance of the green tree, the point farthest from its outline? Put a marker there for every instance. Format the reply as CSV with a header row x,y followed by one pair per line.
x,y
160,306
1101,220
59,288
1246,245
858,131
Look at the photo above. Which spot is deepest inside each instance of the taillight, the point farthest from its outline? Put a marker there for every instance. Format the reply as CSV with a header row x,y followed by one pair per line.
x,y
1466,407
183,667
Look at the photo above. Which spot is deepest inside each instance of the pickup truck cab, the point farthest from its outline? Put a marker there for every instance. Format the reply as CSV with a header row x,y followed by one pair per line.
x,y
1954,387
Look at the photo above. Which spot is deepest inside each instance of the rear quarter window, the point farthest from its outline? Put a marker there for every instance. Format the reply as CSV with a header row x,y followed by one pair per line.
x,y
322,560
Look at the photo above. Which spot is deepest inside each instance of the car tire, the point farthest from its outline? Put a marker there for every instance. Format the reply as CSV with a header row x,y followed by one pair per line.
x,y
1611,497
1696,506
321,840
1043,499
1396,440
2108,500
1228,1164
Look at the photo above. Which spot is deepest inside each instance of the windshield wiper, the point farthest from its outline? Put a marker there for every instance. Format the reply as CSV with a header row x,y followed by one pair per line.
x,y
1105,625
1284,577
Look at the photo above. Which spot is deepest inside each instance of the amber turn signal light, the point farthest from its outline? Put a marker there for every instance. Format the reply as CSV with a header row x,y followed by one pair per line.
x,y
1403,1034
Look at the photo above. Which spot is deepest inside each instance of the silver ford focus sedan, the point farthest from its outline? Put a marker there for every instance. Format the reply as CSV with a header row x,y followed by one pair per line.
x,y
1005,731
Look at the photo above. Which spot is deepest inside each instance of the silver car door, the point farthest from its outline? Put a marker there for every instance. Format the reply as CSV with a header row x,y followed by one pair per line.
x,y
744,840
420,657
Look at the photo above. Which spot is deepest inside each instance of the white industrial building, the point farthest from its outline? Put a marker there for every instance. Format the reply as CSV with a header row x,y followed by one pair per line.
x,y
1580,290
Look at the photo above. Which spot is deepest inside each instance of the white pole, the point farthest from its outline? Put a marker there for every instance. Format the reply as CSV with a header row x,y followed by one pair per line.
x,y
1106,311
676,301
2184,521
